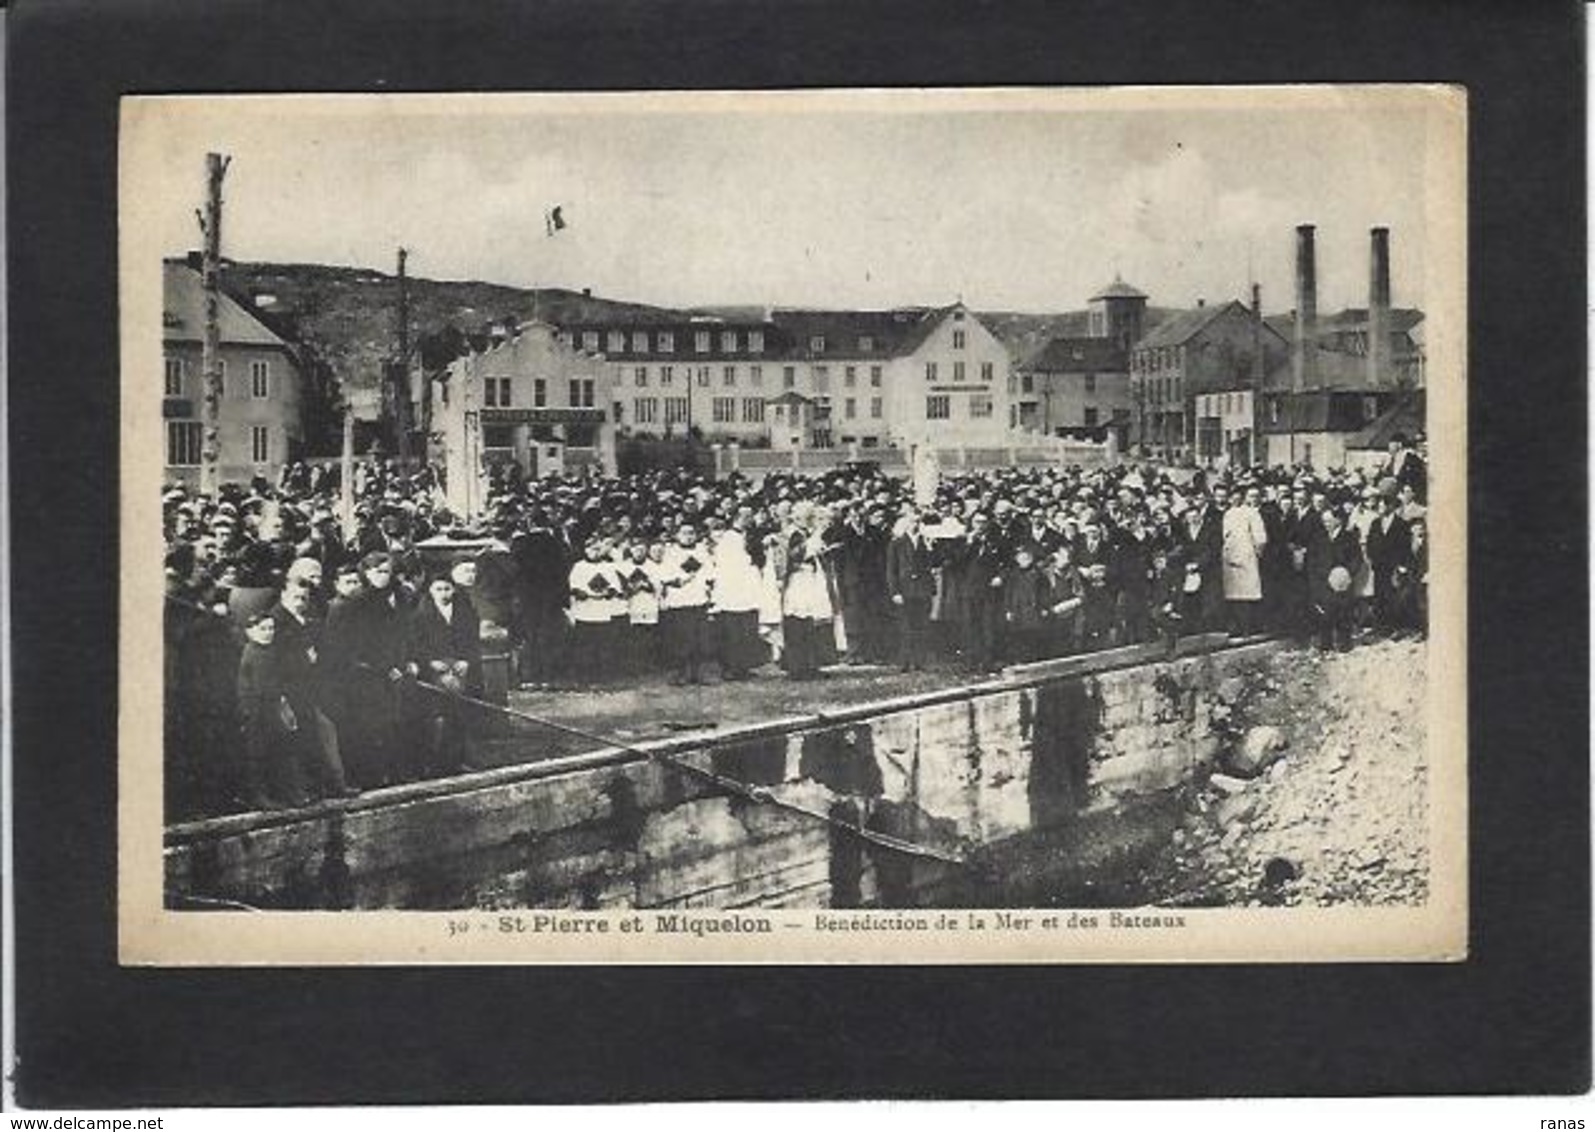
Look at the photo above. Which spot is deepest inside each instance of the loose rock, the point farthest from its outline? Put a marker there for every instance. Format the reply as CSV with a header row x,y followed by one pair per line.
x,y
1260,747
1227,784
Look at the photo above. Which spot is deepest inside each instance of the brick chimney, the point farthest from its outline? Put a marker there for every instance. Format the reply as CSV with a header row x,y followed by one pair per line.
x,y
1304,346
1380,365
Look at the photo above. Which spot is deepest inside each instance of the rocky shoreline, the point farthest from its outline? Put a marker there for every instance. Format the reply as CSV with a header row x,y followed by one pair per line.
x,y
1321,795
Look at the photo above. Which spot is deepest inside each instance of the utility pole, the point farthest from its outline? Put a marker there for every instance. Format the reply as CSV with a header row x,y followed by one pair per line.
x,y
210,225
401,370
425,426
346,473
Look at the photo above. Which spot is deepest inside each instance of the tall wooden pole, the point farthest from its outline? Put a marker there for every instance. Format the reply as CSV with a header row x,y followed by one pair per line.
x,y
401,375
424,425
210,224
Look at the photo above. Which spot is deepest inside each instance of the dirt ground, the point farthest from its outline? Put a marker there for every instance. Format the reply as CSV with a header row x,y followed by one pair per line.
x,y
1342,816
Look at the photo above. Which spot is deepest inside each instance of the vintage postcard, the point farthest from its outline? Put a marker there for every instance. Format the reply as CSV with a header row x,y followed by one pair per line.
x,y
849,526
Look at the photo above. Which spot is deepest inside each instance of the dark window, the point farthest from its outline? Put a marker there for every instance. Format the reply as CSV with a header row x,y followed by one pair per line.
x,y
183,441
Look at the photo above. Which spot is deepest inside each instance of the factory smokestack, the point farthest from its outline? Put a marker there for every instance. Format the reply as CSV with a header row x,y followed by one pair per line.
x,y
1379,361
1304,347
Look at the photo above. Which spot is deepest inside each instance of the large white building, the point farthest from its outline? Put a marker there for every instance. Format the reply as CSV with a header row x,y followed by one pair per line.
x,y
871,378
528,398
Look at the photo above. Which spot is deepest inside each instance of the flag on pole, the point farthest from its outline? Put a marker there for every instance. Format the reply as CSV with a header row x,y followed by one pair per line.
x,y
554,219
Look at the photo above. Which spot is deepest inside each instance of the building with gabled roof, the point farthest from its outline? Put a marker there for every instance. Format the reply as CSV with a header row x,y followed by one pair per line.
x,y
875,378
260,415
1347,373
1076,387
525,398
1208,349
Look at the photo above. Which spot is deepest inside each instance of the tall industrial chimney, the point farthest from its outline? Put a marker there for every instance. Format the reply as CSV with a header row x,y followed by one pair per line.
x,y
1304,347
1380,365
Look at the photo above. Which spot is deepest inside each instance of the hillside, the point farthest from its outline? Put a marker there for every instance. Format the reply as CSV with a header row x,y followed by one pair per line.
x,y
345,315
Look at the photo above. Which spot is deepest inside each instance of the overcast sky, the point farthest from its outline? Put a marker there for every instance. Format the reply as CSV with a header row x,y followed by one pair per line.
x,y
840,204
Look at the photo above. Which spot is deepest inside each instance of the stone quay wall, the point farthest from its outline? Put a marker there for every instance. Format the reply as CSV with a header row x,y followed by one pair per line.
x,y
1037,784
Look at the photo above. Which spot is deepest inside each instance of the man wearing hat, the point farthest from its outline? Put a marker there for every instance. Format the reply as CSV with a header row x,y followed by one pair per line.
x,y
1389,552
1245,537
1202,545
543,561
1406,467
445,645
297,644
911,582
366,640
1333,558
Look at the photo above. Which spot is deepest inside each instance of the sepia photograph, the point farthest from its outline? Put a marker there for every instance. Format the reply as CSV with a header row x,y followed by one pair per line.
x,y
832,526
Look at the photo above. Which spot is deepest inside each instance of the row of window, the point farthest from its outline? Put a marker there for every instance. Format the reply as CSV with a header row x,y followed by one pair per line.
x,y
664,341
1226,403
730,375
185,441
1161,390
940,406
1027,383
496,393
645,410
1158,357
731,341
178,370
703,341
987,371
723,410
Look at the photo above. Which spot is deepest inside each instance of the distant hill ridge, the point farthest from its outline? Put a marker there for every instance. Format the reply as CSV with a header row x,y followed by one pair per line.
x,y
346,314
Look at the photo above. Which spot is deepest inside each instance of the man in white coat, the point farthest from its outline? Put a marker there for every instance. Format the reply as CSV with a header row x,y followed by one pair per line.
x,y
738,588
1245,535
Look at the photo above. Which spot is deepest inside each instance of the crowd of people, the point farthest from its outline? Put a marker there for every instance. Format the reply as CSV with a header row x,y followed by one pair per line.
x,y
302,662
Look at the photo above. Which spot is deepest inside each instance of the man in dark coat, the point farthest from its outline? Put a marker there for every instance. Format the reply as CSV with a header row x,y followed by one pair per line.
x,y
1333,558
1389,549
366,639
542,589
1407,468
1274,563
445,645
985,562
1284,560
911,583
267,724
298,648
1027,606
1202,539
1130,566
861,582
1093,559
